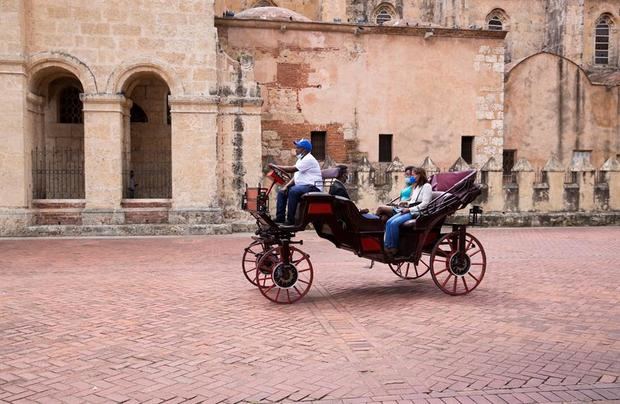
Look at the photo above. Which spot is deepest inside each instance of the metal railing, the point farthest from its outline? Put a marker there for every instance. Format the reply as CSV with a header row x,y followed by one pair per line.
x,y
57,174
147,175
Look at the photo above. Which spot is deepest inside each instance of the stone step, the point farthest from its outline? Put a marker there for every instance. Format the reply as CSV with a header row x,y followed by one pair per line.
x,y
130,230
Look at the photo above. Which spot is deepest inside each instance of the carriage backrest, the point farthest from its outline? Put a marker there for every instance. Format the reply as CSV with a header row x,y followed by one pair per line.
x,y
445,181
452,191
330,173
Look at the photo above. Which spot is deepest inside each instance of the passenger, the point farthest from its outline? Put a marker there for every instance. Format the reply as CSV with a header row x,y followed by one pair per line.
x,y
420,197
338,188
385,212
306,178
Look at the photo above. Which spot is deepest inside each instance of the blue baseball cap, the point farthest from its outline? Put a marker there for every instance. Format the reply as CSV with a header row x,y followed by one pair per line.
x,y
304,144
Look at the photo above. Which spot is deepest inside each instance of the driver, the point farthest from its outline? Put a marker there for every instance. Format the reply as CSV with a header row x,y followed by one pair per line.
x,y
306,178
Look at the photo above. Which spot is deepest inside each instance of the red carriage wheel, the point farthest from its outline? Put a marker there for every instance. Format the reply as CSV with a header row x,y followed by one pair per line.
x,y
251,255
284,283
458,272
409,270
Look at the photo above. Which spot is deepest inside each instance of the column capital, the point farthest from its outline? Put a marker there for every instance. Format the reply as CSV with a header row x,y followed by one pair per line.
x,y
12,64
193,104
105,103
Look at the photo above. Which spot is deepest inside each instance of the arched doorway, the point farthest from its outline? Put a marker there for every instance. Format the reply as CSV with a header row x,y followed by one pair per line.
x,y
147,167
57,124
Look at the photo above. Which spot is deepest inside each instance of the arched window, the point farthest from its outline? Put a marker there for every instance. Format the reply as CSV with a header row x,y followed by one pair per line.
x,y
137,114
383,13
497,20
70,106
602,40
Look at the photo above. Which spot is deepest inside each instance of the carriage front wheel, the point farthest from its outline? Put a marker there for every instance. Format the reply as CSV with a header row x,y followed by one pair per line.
x,y
458,269
285,282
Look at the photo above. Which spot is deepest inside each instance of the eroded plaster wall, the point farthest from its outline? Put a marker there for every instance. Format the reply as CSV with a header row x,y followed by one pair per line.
x,y
551,107
426,92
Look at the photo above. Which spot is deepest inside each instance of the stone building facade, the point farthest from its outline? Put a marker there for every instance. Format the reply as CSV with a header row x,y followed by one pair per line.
x,y
152,117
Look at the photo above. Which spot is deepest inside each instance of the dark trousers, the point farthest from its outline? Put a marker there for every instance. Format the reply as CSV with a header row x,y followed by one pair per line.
x,y
291,198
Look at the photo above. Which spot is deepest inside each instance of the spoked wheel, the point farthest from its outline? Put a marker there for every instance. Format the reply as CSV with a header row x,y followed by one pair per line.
x,y
284,283
249,262
456,272
409,270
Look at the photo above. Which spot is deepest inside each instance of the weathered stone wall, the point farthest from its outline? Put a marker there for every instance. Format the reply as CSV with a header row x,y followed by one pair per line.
x,y
113,51
310,80
551,106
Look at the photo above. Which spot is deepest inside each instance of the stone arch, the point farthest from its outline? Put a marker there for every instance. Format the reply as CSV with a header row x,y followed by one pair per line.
x,y
381,11
521,62
605,56
45,64
497,15
123,76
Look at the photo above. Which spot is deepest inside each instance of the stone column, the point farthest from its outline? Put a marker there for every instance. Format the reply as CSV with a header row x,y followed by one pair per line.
x,y
492,177
396,169
366,195
103,154
460,165
194,160
555,178
585,179
240,153
525,180
430,167
15,176
611,167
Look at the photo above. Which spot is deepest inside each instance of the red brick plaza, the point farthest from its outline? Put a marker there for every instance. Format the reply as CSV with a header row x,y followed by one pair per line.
x,y
174,320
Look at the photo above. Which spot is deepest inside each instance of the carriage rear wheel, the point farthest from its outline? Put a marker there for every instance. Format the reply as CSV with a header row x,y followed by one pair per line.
x,y
249,262
458,271
284,283
409,270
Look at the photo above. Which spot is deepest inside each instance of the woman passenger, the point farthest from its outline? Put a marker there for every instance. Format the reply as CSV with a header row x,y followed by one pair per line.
x,y
385,212
420,197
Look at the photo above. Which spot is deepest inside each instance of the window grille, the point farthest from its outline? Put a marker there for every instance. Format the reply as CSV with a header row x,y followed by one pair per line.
x,y
497,20
318,144
495,24
385,148
602,41
383,16
70,106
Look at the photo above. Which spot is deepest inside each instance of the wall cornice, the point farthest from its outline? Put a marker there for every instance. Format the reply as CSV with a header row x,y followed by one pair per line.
x,y
357,29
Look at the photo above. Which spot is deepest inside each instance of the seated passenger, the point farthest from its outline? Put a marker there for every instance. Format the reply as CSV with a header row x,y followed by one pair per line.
x,y
385,212
420,197
306,178
338,188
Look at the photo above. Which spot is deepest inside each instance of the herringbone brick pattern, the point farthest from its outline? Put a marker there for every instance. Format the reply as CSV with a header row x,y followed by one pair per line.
x,y
174,320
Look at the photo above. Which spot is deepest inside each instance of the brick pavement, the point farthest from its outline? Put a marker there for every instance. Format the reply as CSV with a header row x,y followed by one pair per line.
x,y
174,320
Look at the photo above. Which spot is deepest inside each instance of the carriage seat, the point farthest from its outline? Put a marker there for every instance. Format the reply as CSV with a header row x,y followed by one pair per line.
x,y
438,198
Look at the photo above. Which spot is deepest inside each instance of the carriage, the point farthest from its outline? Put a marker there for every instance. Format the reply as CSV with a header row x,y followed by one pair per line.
x,y
283,272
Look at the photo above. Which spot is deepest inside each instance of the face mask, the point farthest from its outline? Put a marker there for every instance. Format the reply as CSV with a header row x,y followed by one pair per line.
x,y
410,180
